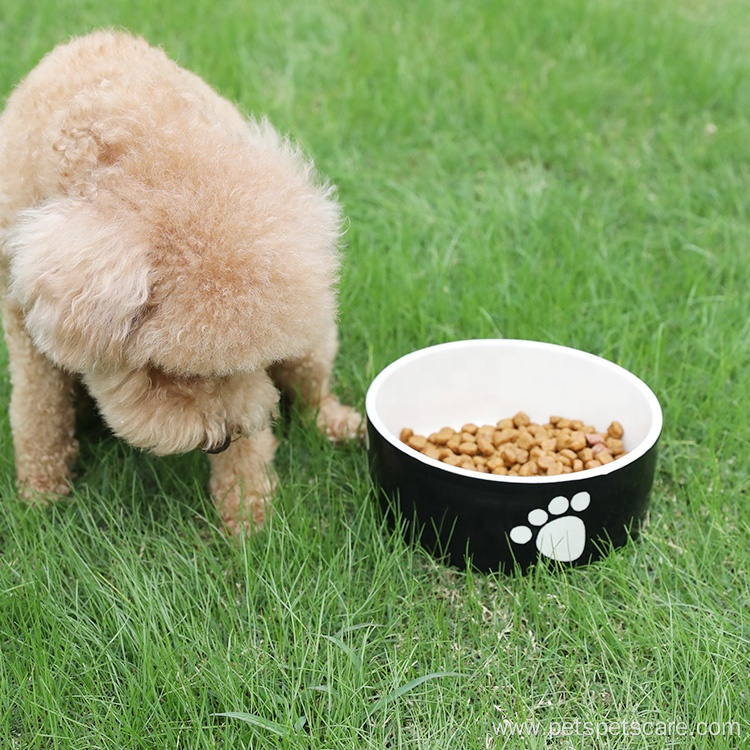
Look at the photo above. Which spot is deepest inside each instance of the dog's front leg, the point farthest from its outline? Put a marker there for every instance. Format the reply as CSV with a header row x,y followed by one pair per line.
x,y
309,378
242,480
42,415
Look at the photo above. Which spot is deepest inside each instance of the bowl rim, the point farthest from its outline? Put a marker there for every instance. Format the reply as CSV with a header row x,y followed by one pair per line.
x,y
648,442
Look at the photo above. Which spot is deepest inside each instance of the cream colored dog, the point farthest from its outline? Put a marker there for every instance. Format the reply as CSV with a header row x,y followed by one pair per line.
x,y
175,258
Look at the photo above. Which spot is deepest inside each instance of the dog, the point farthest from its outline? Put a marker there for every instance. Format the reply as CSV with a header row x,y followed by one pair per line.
x,y
172,257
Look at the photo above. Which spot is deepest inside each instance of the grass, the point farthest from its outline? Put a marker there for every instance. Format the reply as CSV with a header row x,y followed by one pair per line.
x,y
564,170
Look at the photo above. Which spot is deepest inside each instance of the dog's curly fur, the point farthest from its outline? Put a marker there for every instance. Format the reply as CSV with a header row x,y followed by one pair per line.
x,y
174,257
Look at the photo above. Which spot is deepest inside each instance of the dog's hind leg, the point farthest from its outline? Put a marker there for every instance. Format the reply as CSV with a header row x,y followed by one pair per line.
x,y
309,379
42,415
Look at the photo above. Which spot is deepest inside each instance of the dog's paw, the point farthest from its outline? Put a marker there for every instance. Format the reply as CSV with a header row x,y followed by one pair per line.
x,y
339,422
248,517
244,510
42,488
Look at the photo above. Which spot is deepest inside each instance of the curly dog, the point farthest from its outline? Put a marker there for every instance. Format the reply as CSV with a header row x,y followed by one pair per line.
x,y
172,257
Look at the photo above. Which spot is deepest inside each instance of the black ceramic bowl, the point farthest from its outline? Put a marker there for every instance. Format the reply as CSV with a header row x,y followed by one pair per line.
x,y
494,521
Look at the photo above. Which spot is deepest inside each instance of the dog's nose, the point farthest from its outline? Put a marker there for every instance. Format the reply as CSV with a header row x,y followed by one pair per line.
x,y
220,448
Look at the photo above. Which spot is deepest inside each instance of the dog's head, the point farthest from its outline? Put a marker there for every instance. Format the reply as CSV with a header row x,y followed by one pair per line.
x,y
166,293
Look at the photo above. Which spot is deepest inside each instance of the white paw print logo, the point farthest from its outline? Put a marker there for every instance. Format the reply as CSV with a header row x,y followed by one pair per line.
x,y
563,538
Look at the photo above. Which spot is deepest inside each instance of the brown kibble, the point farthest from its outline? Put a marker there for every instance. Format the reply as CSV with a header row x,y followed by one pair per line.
x,y
444,435
453,443
495,463
522,456
577,440
468,449
485,446
563,440
526,441
508,454
520,447
615,446
545,461
549,445
465,462
433,451
504,436
586,454
418,442
598,449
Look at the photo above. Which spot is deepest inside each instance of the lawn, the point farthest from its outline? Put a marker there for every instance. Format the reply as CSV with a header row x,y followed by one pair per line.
x,y
564,170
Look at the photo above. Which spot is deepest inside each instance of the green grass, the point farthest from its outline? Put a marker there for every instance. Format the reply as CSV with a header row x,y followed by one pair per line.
x,y
562,170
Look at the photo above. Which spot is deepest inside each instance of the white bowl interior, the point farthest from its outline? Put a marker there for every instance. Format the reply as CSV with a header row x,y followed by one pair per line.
x,y
485,380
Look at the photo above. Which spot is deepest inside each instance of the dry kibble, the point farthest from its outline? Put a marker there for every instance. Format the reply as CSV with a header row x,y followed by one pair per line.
x,y
586,454
444,435
615,446
549,444
485,446
577,440
504,436
519,447
454,442
468,448
545,461
526,441
418,442
508,454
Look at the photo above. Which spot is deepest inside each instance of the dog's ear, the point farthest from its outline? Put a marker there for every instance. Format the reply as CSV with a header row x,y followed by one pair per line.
x,y
81,275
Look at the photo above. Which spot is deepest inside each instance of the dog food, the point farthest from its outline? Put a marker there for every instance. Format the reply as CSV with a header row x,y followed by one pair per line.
x,y
519,447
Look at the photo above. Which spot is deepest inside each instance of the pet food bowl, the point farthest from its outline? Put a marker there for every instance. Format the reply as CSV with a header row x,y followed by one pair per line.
x,y
498,522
